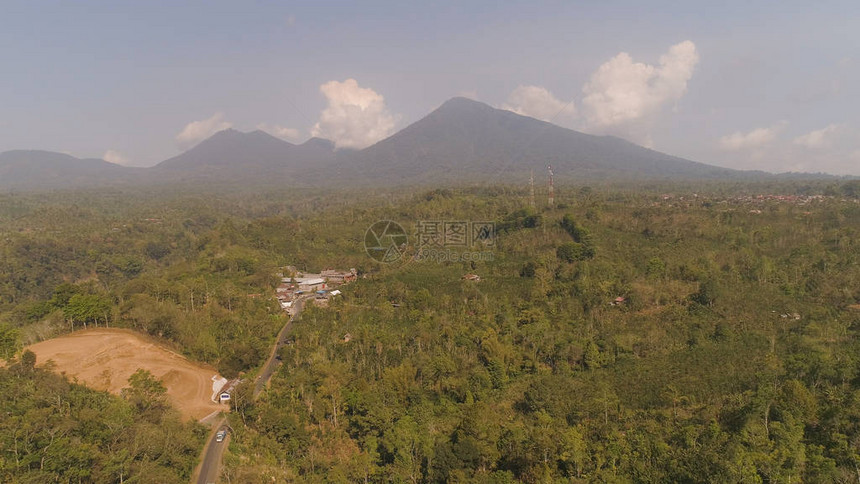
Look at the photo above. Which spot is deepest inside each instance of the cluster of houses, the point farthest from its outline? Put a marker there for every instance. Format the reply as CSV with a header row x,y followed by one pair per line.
x,y
321,286
696,199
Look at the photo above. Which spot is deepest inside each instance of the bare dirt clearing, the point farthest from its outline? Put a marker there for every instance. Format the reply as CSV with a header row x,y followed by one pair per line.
x,y
104,358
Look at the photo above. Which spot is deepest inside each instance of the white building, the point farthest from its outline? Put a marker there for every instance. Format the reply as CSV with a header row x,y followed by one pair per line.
x,y
310,283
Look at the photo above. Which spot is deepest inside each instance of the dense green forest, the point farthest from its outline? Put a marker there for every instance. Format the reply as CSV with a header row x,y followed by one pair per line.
x,y
731,358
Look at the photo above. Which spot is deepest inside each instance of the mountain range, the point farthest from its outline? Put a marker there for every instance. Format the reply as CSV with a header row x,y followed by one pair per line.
x,y
461,141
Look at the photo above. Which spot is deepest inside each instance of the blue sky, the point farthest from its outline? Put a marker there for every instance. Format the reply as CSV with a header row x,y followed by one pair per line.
x,y
763,85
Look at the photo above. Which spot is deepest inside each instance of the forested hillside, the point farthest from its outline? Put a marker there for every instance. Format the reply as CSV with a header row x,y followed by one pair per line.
x,y
56,431
731,359
692,334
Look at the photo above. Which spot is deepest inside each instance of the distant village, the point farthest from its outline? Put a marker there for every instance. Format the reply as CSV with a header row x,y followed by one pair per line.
x,y
315,288
319,288
743,200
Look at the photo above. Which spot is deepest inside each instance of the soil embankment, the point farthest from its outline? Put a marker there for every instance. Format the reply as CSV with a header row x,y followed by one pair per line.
x,y
104,358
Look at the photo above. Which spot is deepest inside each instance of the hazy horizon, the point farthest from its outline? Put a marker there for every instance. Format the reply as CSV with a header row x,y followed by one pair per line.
x,y
769,86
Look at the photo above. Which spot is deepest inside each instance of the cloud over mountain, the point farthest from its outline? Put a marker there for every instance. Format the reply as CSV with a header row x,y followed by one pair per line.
x,y
622,94
196,131
356,117
537,102
115,157
279,131
820,138
756,138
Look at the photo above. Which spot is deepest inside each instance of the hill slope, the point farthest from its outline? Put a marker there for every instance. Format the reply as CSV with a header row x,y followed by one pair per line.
x,y
22,169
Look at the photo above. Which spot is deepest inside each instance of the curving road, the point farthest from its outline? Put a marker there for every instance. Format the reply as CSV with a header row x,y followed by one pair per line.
x,y
272,363
213,452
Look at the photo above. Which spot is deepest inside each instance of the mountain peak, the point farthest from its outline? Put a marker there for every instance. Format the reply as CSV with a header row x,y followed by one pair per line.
x,y
468,138
459,102
231,147
260,134
225,133
319,143
234,135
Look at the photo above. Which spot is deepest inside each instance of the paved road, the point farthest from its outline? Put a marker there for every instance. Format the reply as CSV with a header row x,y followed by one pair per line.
x,y
214,451
272,363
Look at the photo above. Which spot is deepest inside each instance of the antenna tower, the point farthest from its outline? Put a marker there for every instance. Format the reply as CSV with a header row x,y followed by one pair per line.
x,y
532,189
551,190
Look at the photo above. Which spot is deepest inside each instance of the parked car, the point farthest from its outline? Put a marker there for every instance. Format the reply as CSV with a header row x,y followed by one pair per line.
x,y
219,437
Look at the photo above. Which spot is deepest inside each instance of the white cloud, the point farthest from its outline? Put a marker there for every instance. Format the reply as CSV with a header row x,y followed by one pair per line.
x,y
820,138
279,131
355,117
828,150
623,94
196,131
115,157
538,102
754,139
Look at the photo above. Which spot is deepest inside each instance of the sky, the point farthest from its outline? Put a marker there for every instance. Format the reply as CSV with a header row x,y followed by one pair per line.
x,y
768,85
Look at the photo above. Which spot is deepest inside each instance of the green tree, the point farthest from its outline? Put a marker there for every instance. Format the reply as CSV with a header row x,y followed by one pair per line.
x,y
573,251
87,309
28,361
404,441
591,358
707,293
9,343
147,394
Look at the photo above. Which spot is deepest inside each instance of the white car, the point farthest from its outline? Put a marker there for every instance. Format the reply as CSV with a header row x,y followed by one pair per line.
x,y
219,437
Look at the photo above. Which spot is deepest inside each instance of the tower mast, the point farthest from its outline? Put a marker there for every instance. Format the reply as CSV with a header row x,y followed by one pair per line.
x,y
551,190
532,189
